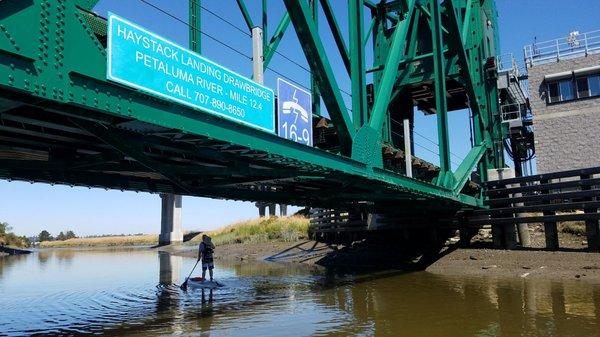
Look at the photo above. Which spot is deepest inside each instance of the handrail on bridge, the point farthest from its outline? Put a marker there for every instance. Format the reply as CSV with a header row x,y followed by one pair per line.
x,y
574,45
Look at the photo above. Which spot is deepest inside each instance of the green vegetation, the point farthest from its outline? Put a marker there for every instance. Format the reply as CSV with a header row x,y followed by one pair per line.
x,y
7,238
285,229
62,236
572,227
45,236
104,241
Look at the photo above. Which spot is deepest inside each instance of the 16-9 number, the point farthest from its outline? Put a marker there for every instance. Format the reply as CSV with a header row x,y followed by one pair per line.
x,y
291,132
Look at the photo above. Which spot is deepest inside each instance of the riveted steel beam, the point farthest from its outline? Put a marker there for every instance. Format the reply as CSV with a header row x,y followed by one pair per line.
x,y
357,63
445,178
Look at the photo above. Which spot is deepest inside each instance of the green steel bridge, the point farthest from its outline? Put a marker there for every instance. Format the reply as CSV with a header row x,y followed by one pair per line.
x,y
63,122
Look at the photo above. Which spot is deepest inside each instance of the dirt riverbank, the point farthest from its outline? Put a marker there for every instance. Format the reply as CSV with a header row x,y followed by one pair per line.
x,y
309,252
526,264
5,250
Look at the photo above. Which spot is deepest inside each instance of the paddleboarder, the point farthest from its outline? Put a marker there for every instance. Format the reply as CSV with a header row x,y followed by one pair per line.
x,y
205,253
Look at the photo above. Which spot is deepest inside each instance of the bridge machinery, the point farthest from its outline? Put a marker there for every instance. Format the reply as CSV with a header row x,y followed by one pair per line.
x,y
62,121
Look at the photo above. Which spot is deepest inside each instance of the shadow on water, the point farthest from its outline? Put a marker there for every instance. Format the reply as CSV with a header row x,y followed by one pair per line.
x,y
285,299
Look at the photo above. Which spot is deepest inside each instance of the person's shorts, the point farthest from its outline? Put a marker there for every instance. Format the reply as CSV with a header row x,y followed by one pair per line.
x,y
208,265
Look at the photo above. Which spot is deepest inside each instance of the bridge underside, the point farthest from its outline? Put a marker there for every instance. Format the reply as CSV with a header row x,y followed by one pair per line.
x,y
45,141
62,121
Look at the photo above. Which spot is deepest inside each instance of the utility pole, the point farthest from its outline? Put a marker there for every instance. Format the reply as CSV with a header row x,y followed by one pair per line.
x,y
407,148
258,76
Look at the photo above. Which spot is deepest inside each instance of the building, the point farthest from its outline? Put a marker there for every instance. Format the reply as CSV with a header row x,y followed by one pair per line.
x,y
564,83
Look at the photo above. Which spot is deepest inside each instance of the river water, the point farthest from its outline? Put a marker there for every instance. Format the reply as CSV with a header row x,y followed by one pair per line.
x,y
130,292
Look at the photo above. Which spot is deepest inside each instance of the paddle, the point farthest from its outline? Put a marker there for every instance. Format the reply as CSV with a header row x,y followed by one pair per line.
x,y
183,286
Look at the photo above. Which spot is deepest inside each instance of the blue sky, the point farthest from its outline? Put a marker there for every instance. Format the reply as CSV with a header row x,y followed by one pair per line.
x,y
29,208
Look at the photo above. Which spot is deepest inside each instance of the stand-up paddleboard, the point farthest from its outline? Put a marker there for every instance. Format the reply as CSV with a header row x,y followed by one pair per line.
x,y
199,282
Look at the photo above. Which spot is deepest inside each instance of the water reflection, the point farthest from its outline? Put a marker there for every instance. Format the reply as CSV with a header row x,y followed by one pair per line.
x,y
118,292
6,262
169,268
420,304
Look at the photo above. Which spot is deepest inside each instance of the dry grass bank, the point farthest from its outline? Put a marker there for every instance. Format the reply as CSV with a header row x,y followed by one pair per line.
x,y
274,229
107,241
284,229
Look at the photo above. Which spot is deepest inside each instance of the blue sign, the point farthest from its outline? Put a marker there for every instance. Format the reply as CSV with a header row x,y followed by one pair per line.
x,y
294,113
146,61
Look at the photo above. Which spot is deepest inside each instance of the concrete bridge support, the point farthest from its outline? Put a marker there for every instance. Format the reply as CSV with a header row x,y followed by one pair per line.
x,y
170,222
262,209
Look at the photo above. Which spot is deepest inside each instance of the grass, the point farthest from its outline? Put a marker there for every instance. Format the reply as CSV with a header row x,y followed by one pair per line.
x,y
284,229
572,227
106,241
567,227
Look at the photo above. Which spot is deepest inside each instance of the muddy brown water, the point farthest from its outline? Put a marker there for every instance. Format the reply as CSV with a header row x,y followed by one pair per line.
x,y
133,292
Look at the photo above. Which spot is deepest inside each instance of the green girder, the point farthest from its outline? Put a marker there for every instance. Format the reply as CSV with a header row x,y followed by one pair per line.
x,y
63,70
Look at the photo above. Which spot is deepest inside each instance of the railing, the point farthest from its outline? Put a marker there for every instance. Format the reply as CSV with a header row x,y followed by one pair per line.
x,y
574,45
512,112
506,62
545,198
518,72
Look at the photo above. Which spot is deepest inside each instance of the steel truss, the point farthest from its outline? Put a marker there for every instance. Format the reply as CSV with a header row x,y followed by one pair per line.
x,y
55,101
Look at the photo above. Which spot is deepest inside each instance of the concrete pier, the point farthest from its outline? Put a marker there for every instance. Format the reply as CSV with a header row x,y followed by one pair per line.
x,y
262,209
170,222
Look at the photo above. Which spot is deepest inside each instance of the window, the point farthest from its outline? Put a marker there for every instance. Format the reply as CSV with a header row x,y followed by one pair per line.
x,y
553,92
570,89
583,89
566,90
594,83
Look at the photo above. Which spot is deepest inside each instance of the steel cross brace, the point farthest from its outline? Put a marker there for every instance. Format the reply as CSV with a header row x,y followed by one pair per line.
x,y
301,16
367,142
271,47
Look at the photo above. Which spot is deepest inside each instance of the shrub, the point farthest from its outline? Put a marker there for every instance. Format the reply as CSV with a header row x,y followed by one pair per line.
x,y
573,227
11,239
286,229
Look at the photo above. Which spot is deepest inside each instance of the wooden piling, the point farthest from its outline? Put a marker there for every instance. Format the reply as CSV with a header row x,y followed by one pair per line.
x,y
550,227
510,236
592,229
522,228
